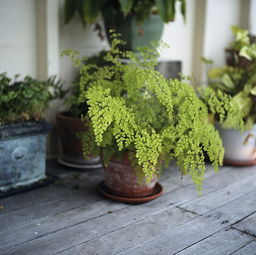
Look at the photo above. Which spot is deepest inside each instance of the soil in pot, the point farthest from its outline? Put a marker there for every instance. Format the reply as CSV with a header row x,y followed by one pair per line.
x,y
70,146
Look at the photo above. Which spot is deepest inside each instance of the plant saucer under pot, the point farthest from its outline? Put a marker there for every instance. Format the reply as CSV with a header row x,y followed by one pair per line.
x,y
240,147
70,146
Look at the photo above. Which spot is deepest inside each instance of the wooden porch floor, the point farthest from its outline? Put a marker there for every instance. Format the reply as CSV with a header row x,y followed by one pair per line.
x,y
70,217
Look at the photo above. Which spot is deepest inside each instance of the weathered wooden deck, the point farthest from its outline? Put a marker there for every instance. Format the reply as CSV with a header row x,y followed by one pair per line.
x,y
70,217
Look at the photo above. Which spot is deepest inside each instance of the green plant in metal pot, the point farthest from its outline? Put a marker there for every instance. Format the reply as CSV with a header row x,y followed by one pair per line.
x,y
234,90
23,129
144,119
138,21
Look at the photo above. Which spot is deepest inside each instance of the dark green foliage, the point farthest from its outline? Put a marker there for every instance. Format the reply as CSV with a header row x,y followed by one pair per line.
x,y
133,108
88,10
26,100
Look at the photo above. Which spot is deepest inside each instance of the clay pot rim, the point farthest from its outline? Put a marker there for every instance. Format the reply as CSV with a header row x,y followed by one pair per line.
x,y
64,116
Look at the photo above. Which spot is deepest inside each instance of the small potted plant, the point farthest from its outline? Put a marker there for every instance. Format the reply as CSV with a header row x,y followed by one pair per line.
x,y
23,130
140,119
138,22
231,98
242,51
70,126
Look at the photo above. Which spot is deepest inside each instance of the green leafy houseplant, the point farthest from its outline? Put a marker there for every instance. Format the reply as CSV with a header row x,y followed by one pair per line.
x,y
89,10
138,21
239,85
26,100
242,51
231,99
23,130
235,82
133,109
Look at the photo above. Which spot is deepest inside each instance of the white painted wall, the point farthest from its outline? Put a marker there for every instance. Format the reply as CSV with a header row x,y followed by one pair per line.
x,y
220,15
252,19
74,35
179,36
18,37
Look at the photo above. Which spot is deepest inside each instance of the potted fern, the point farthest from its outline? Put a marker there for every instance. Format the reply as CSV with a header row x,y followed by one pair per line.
x,y
139,22
139,120
23,130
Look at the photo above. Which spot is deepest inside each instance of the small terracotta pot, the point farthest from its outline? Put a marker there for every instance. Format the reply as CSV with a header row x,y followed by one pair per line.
x,y
233,59
121,180
70,146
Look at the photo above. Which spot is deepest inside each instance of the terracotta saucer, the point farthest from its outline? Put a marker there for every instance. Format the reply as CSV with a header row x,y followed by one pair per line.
x,y
84,166
239,163
157,191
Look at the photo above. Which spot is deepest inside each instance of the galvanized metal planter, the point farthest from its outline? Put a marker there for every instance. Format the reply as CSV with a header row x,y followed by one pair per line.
x,y
22,154
240,148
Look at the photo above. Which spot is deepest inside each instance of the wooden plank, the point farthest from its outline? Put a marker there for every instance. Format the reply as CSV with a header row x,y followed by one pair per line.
x,y
46,225
223,196
248,225
86,231
72,183
181,237
223,242
158,222
77,198
249,249
52,219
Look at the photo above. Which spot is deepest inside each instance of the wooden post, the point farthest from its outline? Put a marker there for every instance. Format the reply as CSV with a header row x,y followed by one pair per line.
x,y
47,38
48,57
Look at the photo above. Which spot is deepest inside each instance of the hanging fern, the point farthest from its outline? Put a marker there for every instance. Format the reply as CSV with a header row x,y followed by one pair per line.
x,y
133,108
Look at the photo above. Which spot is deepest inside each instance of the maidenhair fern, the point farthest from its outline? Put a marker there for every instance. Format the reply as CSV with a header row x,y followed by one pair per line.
x,y
223,107
134,109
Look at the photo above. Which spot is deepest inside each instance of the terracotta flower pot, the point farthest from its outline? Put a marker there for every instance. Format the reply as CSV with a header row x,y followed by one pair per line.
x,y
121,180
70,146
233,59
